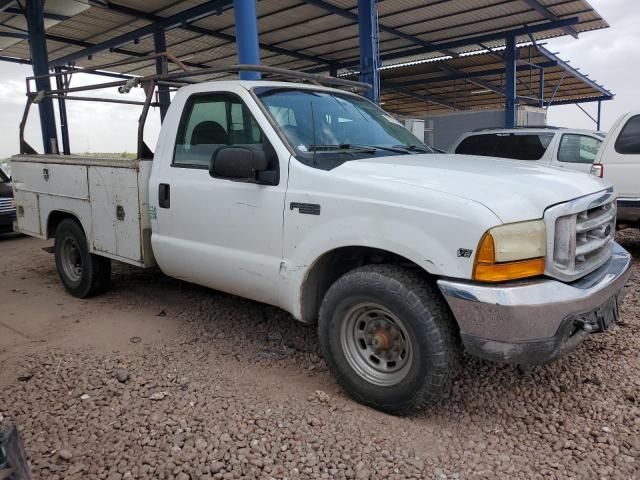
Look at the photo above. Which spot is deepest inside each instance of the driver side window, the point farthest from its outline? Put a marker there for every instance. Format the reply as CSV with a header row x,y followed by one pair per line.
x,y
210,122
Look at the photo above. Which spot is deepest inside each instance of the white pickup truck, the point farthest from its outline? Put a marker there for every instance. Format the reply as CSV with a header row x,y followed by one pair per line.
x,y
618,162
315,200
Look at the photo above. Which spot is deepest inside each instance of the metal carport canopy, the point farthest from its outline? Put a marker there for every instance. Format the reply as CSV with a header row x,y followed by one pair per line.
x,y
292,33
307,35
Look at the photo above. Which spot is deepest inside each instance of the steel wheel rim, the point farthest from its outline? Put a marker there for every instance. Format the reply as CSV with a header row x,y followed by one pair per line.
x,y
71,260
376,344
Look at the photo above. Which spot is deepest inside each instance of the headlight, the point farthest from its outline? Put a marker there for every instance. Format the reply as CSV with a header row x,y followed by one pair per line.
x,y
512,251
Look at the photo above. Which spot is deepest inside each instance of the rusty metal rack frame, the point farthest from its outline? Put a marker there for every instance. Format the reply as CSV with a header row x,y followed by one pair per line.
x,y
150,83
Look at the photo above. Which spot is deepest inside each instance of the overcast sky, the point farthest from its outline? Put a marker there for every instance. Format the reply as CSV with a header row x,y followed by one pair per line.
x,y
611,57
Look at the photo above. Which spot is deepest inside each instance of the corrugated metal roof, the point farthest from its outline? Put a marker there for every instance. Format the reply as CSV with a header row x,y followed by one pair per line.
x,y
301,34
307,28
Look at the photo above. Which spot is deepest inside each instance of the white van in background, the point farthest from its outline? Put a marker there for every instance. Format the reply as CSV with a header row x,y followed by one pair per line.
x,y
619,162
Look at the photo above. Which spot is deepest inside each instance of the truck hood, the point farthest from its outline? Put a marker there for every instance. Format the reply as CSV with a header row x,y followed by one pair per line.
x,y
514,190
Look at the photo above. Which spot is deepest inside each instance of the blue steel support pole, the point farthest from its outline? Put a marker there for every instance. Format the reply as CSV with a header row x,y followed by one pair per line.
x,y
160,45
599,115
244,12
62,111
510,83
369,55
542,88
40,62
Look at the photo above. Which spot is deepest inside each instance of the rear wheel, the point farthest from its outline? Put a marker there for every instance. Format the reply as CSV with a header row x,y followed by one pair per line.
x,y
83,274
388,337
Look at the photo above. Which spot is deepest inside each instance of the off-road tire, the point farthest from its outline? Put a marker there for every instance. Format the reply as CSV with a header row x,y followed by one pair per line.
x,y
94,272
432,332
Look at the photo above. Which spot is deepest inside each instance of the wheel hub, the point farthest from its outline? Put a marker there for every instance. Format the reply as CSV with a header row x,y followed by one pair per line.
x,y
376,344
71,260
381,341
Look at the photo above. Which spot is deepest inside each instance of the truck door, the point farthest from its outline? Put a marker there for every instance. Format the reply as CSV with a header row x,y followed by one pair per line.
x,y
621,159
221,233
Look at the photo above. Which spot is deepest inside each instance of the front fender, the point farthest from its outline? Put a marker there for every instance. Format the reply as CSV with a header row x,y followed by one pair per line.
x,y
441,244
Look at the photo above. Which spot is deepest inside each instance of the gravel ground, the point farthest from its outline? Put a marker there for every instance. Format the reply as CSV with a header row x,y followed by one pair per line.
x,y
237,390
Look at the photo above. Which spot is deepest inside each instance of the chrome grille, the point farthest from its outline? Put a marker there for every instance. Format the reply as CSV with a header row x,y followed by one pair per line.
x,y
580,235
6,206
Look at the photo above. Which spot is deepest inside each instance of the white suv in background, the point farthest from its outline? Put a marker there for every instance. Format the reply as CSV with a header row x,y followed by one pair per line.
x,y
559,147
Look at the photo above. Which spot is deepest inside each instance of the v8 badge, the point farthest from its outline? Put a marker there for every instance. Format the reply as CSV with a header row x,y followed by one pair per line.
x,y
464,252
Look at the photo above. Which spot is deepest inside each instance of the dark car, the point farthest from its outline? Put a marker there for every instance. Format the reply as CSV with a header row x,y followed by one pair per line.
x,y
7,210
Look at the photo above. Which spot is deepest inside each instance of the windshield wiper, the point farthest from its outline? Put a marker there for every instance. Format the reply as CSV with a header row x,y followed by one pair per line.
x,y
395,148
414,148
343,146
363,148
373,148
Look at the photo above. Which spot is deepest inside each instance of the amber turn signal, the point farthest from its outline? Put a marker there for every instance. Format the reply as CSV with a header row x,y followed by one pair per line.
x,y
486,269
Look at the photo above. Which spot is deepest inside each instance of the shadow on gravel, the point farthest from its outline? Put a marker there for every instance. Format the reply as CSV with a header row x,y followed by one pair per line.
x,y
233,326
7,237
256,334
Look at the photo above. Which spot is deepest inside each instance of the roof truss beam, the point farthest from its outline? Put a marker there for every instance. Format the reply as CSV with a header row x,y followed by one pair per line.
x,y
465,42
45,15
480,83
81,43
546,13
322,4
581,100
70,41
18,35
67,69
574,72
469,75
419,96
15,60
477,40
199,11
210,33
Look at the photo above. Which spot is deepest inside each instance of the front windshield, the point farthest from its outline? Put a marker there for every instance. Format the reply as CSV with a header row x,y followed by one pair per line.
x,y
324,125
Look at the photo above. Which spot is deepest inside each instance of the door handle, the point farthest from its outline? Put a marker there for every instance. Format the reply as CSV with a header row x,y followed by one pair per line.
x,y
164,195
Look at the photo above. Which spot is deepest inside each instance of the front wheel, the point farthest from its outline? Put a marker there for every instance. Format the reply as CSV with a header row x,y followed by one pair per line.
x,y
83,274
389,338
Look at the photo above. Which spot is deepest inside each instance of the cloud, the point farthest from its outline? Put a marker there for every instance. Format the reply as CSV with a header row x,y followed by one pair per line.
x,y
610,57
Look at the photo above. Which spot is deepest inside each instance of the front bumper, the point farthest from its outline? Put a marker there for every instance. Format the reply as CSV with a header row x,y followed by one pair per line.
x,y
536,321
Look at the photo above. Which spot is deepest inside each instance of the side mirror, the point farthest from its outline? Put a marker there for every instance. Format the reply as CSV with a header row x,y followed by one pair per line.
x,y
238,163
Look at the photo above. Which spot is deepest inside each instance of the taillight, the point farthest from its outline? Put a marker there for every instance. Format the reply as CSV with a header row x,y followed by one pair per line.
x,y
597,169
